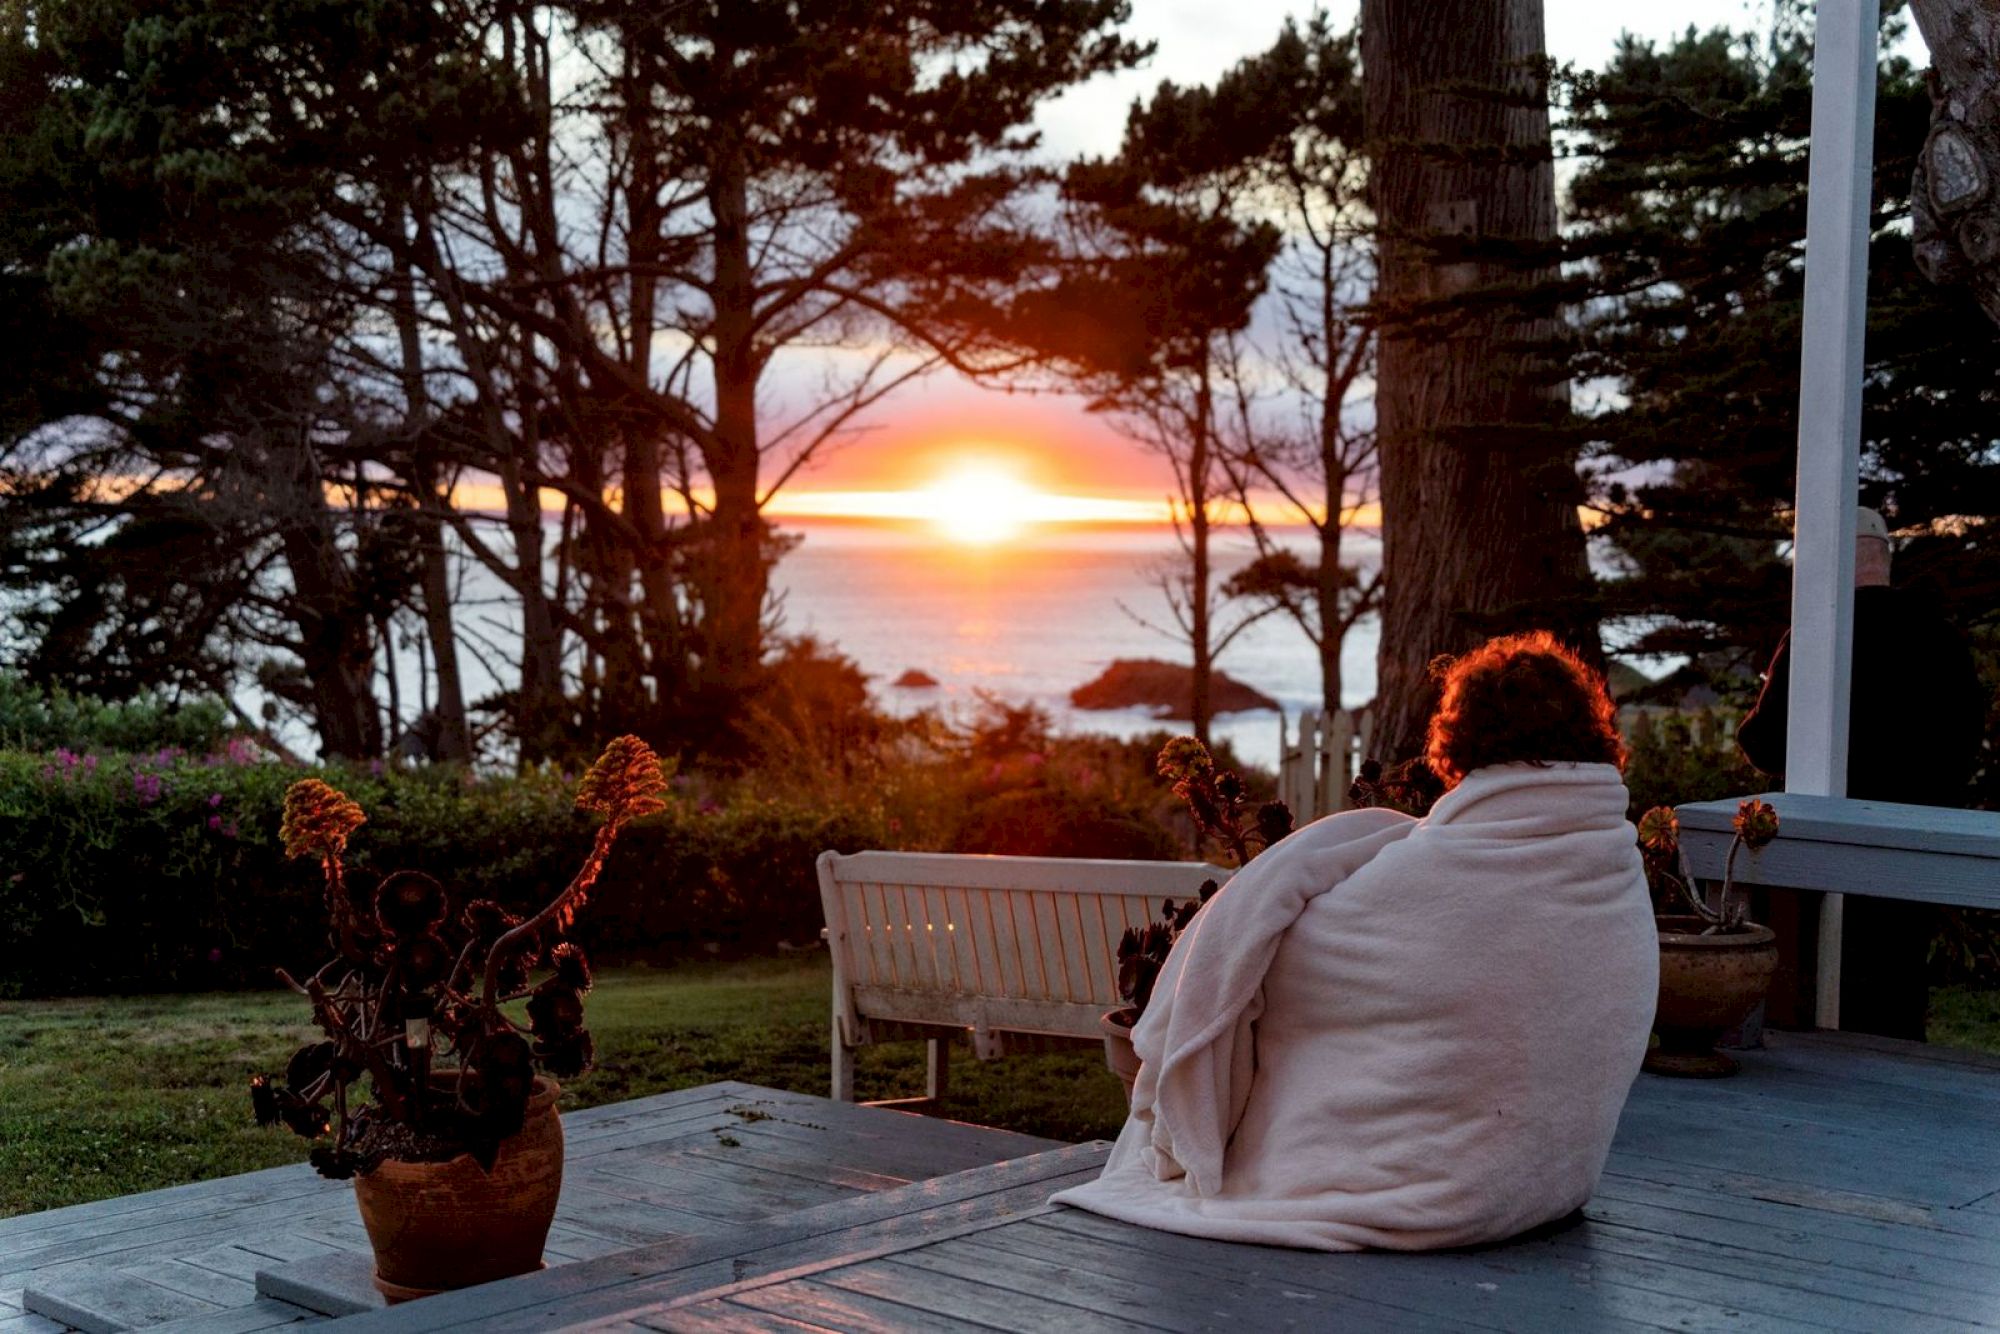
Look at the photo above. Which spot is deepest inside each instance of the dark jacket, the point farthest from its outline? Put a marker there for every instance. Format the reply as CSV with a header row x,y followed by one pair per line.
x,y
1916,710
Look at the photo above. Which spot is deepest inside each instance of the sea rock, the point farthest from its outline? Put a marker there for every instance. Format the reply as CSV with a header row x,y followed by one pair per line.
x,y
916,680
1164,688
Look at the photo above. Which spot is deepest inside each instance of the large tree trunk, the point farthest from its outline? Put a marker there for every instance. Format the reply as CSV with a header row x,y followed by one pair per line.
x,y
454,737
736,571
659,588
1479,496
1954,205
335,647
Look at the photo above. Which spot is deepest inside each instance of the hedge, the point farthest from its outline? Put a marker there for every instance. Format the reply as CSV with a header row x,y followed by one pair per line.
x,y
36,718
164,871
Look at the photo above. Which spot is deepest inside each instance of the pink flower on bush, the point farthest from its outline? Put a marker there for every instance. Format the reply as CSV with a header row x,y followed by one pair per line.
x,y
214,800
215,822
147,788
68,764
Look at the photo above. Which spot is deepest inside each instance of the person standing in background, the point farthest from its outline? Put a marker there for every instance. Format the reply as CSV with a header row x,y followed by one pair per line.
x,y
1915,715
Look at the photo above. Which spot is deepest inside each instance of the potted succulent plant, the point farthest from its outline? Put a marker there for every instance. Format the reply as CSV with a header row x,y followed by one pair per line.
x,y
455,1150
1223,816
1409,787
1715,965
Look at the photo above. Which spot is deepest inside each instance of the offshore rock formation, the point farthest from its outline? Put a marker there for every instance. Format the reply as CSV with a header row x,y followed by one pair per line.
x,y
1165,688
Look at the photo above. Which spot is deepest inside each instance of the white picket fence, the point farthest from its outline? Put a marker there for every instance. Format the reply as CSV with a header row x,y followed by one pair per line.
x,y
1317,764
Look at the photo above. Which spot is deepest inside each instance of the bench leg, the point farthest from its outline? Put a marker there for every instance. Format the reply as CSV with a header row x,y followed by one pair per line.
x,y
937,1067
843,1066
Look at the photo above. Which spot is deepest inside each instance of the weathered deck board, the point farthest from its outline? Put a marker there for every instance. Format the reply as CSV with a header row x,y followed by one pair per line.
x,y
1838,1183
932,1292
679,1164
22,1323
108,1301
1504,1288
259,1315
638,1280
1114,1280
821,1307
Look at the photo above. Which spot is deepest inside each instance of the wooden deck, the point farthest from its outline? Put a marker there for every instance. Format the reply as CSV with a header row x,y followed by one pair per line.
x,y
1839,1182
272,1248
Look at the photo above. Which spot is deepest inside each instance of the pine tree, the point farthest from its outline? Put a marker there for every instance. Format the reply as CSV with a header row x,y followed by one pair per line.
x,y
1689,211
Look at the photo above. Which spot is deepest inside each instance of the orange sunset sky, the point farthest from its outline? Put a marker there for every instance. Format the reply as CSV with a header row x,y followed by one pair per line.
x,y
947,444
981,464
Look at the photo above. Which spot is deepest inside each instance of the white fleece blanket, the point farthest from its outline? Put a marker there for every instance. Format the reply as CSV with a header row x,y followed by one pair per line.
x,y
1399,1033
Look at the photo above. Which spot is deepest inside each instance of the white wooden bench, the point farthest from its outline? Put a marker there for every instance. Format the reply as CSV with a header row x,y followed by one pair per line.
x,y
1841,845
931,945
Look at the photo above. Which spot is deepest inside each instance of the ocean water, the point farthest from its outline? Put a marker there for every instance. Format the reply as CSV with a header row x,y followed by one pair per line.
x,y
1032,618
1027,620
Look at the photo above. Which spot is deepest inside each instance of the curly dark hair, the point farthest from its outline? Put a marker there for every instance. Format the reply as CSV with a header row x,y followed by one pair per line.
x,y
1522,699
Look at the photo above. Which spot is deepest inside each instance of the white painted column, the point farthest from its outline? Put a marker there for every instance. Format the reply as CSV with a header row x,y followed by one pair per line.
x,y
1836,310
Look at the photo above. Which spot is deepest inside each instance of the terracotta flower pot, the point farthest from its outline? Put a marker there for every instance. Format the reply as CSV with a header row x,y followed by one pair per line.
x,y
1708,984
1118,1052
437,1226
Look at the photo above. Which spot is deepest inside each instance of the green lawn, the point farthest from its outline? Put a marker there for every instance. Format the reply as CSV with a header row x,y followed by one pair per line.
x,y
107,1096
102,1097
1962,1017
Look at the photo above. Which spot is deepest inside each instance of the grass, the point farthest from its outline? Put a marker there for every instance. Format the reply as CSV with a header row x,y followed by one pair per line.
x,y
1964,1017
103,1097
108,1096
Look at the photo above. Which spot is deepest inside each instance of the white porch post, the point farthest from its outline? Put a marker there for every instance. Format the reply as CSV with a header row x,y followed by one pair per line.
x,y
1836,309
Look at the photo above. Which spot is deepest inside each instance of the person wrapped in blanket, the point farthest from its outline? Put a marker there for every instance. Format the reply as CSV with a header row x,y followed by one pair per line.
x,y
1410,1033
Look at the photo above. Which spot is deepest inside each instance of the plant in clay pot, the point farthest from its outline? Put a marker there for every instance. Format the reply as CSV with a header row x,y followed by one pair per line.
x,y
1225,817
1715,964
455,1149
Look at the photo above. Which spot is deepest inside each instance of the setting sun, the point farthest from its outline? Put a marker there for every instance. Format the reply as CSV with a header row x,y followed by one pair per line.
x,y
970,498
980,505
